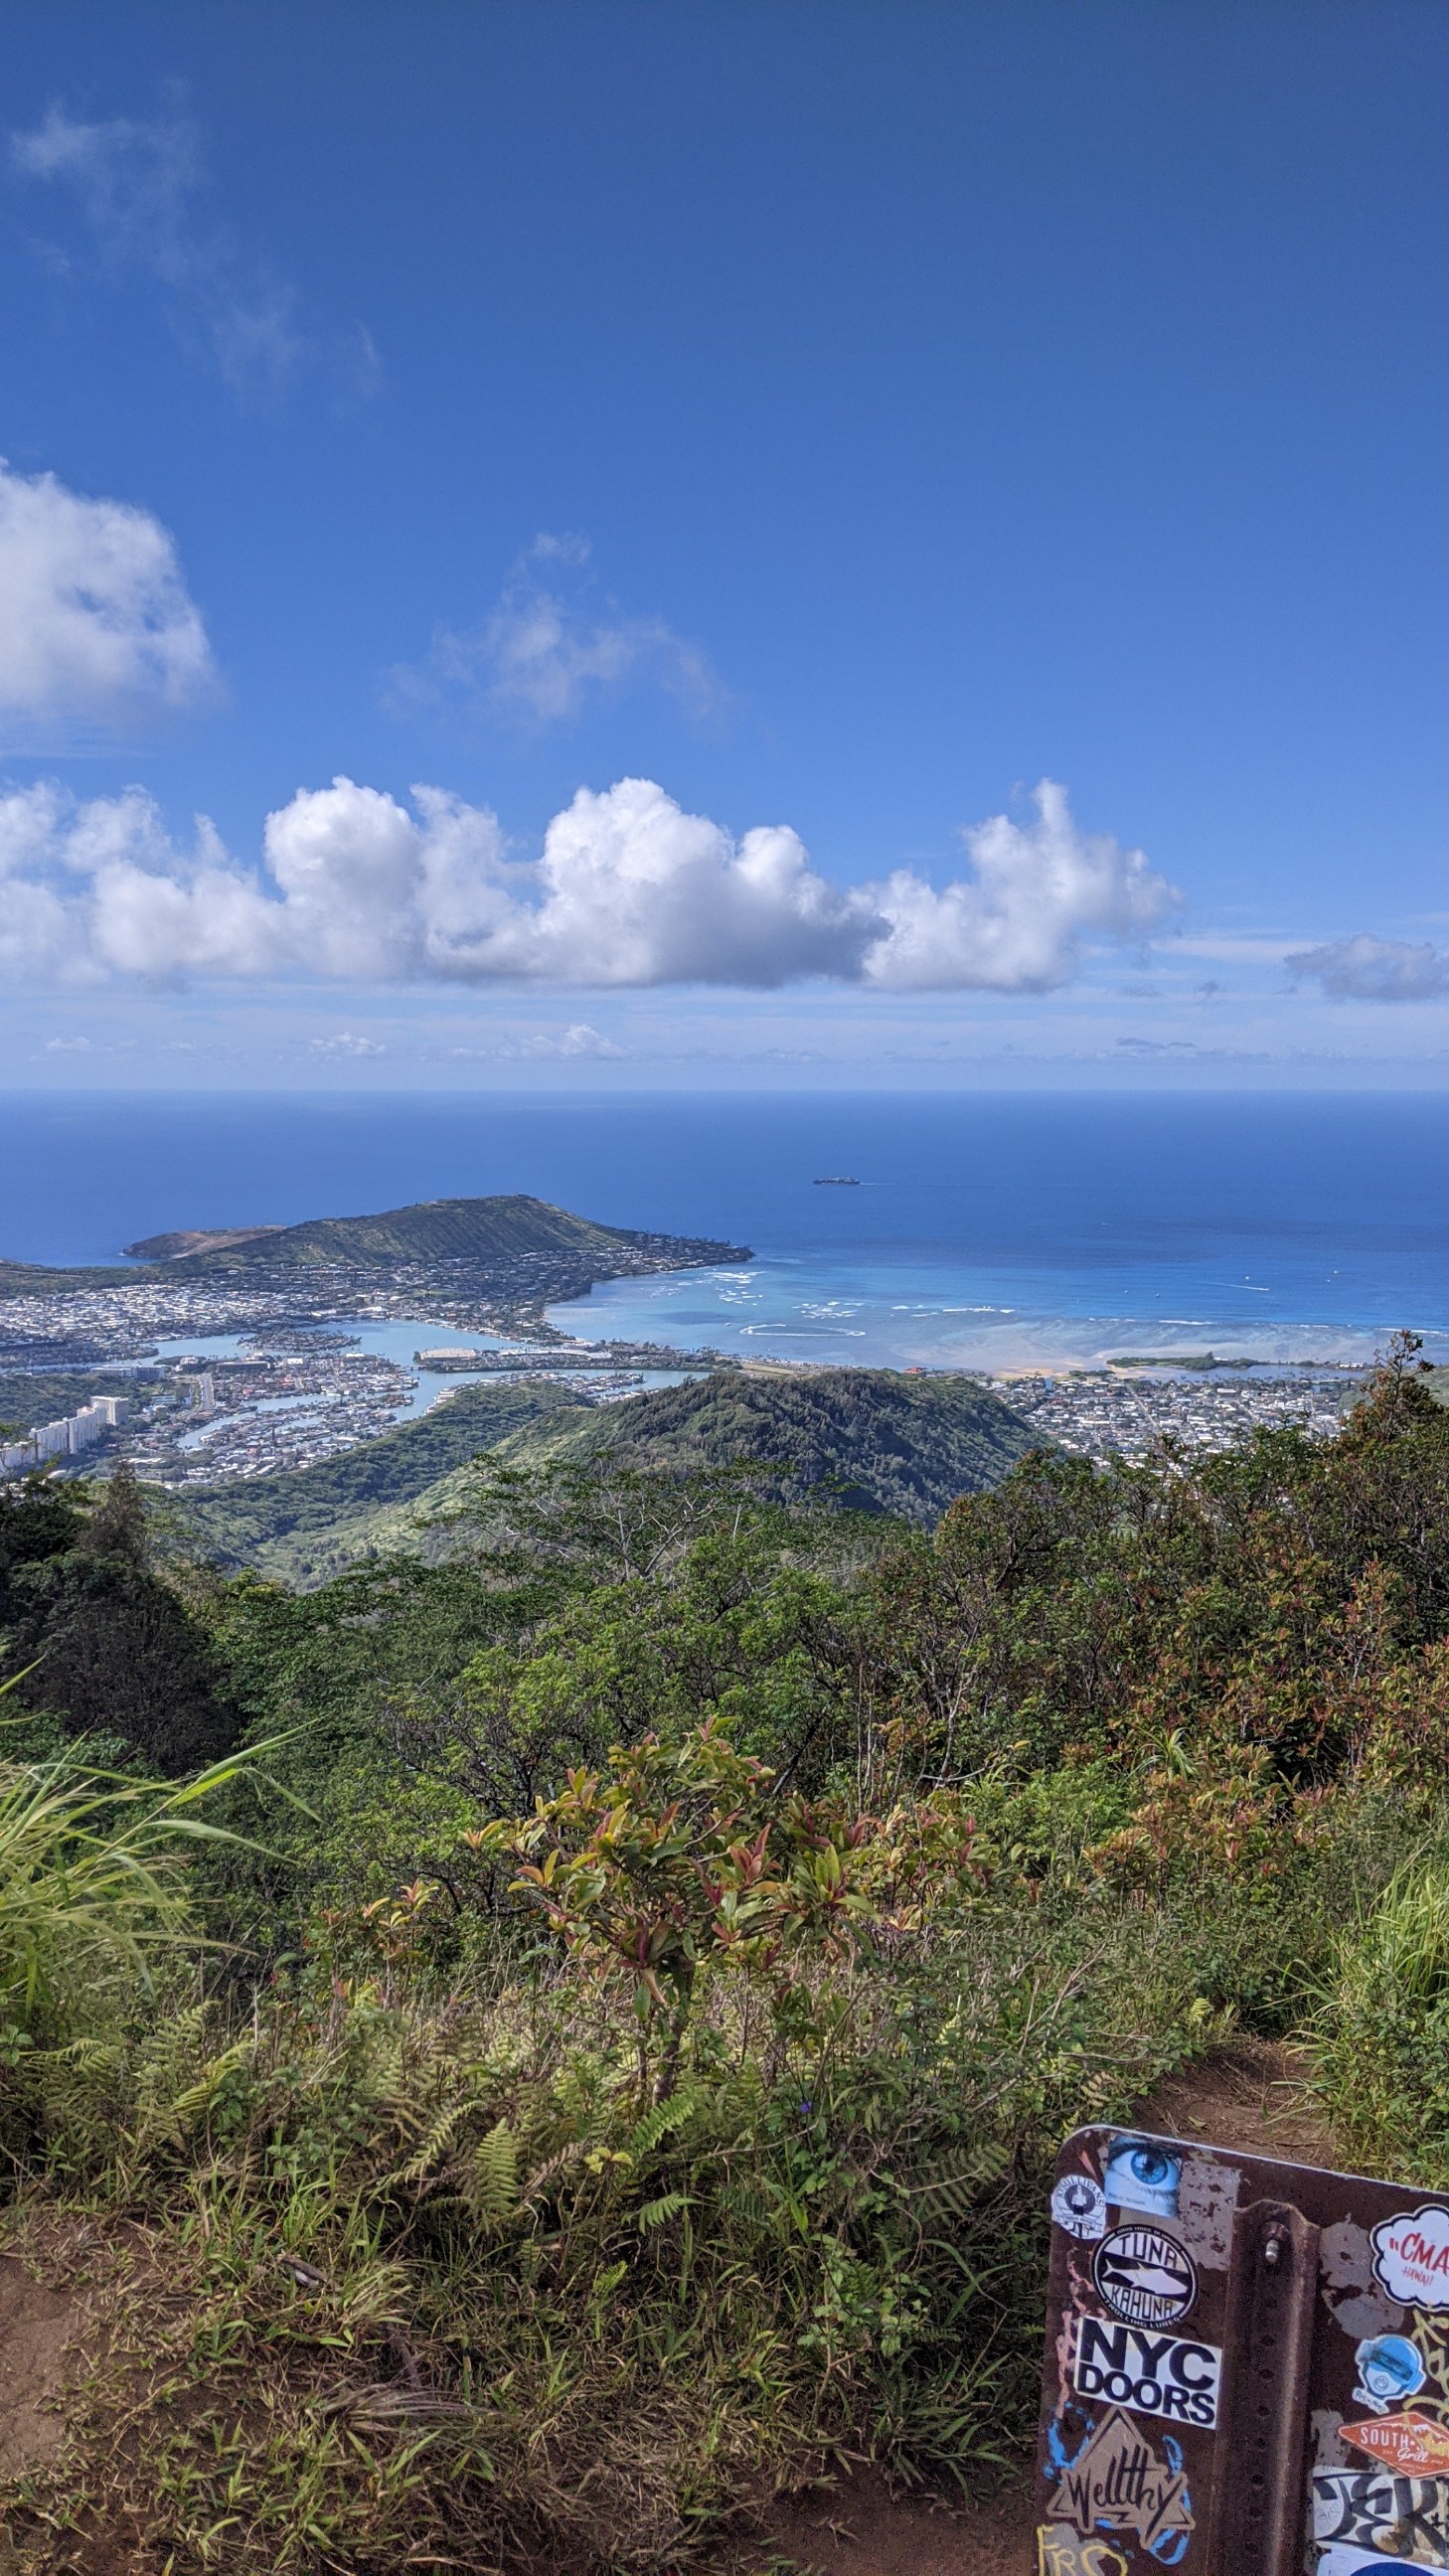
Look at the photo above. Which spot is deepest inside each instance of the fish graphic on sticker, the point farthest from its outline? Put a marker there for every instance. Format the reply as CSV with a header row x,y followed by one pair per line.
x,y
1143,2275
1137,2173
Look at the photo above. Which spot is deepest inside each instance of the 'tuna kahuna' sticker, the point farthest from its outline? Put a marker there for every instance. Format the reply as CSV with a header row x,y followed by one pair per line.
x,y
1143,2275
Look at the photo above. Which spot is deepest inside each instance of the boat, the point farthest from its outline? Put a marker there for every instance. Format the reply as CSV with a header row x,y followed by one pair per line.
x,y
837,1181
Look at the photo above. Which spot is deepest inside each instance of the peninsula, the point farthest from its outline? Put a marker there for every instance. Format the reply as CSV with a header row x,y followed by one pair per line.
x,y
496,1261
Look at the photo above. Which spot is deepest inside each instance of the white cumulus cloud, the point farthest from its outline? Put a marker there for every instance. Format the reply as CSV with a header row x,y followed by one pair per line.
x,y
1036,893
1366,969
98,634
628,890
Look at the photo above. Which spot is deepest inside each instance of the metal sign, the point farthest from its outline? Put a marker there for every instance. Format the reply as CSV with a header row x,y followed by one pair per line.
x,y
1247,2367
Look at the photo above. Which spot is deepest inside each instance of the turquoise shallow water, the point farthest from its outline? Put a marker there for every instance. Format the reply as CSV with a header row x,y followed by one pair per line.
x,y
994,1231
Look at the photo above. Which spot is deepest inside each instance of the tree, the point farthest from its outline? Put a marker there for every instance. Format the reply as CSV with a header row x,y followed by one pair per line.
x,y
109,1645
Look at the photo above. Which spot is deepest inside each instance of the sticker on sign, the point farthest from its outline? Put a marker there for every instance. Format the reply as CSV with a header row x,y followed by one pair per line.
x,y
1149,2374
1072,2553
1411,2257
1144,2275
1410,2442
1380,2510
1342,2559
1118,2482
1080,2206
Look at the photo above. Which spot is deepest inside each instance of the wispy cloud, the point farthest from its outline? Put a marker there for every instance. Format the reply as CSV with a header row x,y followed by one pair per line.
x,y
99,637
628,890
1366,969
553,644
345,1044
135,186
572,1044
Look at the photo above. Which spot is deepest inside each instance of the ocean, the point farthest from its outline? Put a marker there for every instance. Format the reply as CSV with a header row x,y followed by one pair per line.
x,y
994,1231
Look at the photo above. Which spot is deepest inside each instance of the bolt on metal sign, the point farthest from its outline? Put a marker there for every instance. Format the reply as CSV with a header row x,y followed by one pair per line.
x,y
1247,2367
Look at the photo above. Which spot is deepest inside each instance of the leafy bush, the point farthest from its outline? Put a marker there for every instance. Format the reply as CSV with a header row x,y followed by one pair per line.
x,y
665,1956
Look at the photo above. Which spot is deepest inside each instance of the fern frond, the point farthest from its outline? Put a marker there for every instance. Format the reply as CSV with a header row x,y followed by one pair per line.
x,y
657,2124
542,2175
492,2186
951,2191
655,2212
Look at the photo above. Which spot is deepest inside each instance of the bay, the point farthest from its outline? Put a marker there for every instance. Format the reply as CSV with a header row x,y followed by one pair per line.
x,y
995,1231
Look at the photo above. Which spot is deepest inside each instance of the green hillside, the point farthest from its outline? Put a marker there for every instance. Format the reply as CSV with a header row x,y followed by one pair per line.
x,y
888,1443
902,1446
471,1230
303,1525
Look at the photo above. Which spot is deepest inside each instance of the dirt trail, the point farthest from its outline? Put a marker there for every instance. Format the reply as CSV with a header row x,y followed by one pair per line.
x,y
35,2326
1249,2095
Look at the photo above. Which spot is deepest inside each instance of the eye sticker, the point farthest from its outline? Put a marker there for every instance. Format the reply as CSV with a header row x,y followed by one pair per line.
x,y
1137,2173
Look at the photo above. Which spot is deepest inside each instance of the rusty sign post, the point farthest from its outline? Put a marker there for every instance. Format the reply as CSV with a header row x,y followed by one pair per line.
x,y
1247,2367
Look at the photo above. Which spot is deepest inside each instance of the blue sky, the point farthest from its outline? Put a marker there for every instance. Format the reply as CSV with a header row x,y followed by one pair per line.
x,y
836,420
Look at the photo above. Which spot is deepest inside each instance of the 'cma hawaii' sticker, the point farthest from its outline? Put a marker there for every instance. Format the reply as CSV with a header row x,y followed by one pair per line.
x,y
1411,2257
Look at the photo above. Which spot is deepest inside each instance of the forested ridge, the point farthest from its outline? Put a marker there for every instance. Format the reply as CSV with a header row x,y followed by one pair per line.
x,y
871,1439
607,2055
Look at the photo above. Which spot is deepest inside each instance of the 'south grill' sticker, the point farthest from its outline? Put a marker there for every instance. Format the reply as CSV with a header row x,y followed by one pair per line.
x,y
1410,2442
1145,2276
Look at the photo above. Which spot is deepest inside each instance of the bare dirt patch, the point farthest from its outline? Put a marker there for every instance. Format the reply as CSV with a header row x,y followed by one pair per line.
x,y
1252,2094
861,2529
36,2325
